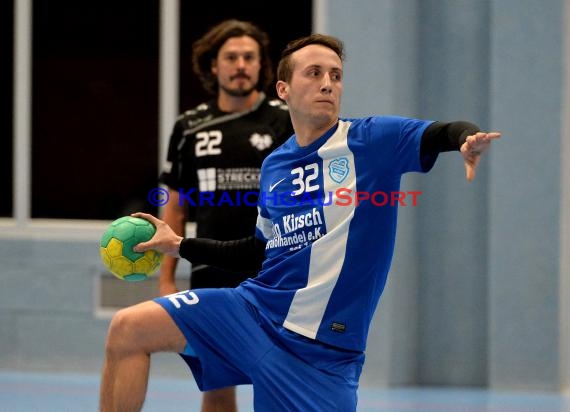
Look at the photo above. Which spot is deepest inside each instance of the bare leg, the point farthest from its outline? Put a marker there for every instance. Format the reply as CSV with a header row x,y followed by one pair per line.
x,y
220,400
134,334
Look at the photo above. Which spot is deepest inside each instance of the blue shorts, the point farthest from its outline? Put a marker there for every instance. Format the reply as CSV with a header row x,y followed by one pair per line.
x,y
234,344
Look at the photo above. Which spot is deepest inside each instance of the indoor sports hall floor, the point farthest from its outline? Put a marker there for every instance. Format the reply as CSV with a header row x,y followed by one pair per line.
x,y
25,392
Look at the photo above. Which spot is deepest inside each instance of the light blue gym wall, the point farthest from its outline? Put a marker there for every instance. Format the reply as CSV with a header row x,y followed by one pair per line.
x,y
525,305
452,224
474,294
46,305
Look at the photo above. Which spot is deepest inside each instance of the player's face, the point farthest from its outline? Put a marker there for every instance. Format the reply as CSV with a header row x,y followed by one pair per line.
x,y
315,89
237,66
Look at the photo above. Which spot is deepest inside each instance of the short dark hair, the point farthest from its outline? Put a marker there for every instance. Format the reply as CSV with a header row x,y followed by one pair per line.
x,y
285,67
206,48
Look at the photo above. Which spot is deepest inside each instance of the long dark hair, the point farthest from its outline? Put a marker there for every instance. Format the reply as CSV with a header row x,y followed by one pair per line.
x,y
205,50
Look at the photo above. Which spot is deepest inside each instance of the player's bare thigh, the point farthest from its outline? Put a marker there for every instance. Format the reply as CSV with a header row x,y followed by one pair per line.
x,y
147,327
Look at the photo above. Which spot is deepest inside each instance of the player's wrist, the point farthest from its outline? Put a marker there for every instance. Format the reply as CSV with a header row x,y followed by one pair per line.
x,y
177,244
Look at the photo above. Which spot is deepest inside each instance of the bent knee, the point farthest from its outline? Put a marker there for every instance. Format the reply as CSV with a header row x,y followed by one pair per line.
x,y
145,327
123,330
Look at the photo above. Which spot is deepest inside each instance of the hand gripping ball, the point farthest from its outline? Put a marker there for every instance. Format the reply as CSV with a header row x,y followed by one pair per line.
x,y
116,248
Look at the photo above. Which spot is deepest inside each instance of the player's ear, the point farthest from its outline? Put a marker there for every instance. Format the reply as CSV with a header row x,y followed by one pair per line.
x,y
282,89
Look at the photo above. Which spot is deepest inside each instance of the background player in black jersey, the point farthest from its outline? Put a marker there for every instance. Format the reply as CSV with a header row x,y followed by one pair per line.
x,y
215,154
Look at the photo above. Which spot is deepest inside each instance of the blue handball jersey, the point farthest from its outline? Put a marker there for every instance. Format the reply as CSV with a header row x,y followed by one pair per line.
x,y
328,214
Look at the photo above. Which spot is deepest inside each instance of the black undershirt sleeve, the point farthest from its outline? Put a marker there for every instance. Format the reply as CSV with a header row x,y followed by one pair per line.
x,y
235,255
444,137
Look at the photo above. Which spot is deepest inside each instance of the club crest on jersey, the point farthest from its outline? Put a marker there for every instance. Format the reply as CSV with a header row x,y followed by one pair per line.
x,y
260,142
338,169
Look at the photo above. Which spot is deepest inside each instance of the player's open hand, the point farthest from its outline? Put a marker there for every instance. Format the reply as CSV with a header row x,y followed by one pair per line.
x,y
472,149
163,241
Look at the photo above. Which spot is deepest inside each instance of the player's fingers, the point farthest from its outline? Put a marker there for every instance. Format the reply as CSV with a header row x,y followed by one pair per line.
x,y
471,161
470,148
140,214
141,247
477,144
482,136
474,140
468,172
146,216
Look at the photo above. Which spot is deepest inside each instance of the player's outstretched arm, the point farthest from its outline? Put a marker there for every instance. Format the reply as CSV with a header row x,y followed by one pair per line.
x,y
472,149
163,241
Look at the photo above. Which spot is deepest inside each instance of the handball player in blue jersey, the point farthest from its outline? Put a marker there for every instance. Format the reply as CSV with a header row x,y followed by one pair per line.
x,y
297,332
